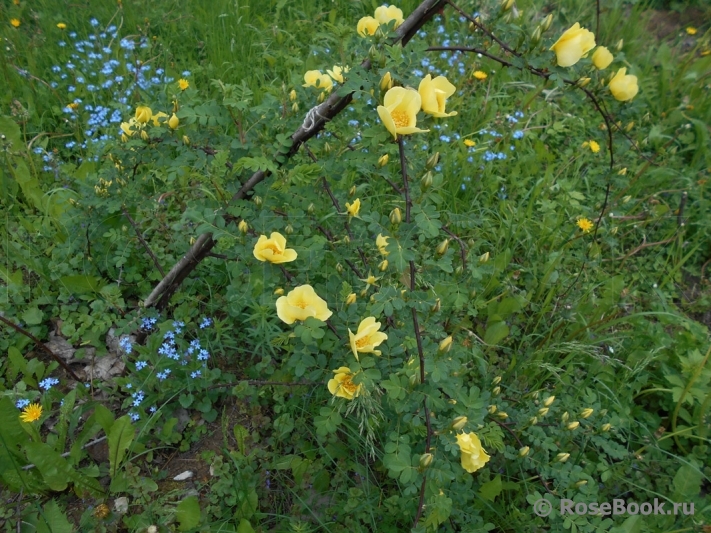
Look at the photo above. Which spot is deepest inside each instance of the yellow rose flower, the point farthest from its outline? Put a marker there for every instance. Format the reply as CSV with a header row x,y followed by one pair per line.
x,y
156,118
342,384
399,112
572,45
602,58
474,456
382,243
143,114
31,413
434,94
314,78
385,14
387,82
337,73
354,208
623,86
183,84
61,26
273,249
300,304
127,127
367,26
173,122
367,337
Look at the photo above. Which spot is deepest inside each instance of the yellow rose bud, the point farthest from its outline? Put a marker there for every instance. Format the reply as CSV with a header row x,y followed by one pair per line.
x,y
565,417
606,427
243,226
543,411
426,460
327,150
289,229
506,5
629,127
301,303
622,171
523,452
279,291
311,209
383,160
144,135
459,422
619,45
496,391
536,35
186,140
573,45
426,181
581,483
623,86
496,380
585,413
352,191
483,258
502,415
492,409
443,247
143,114
292,95
602,58
339,268
387,82
399,111
546,24
432,161
534,395
257,201
295,107
548,401
573,425
603,412
533,420
173,121
395,216
562,457
383,266
346,239
582,82
446,344
434,94
124,137
351,299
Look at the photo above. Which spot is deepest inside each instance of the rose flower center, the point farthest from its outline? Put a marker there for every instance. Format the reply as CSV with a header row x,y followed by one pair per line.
x,y
400,118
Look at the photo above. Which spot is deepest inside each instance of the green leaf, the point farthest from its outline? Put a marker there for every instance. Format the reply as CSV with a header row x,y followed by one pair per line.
x,y
244,526
491,489
54,520
687,483
81,284
32,316
496,332
188,513
633,524
104,418
56,471
186,400
120,438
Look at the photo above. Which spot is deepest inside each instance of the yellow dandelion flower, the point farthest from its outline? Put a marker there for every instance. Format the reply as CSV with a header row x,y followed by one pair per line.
x,y
15,23
594,147
31,413
183,84
61,26
480,75
691,30
469,142
585,225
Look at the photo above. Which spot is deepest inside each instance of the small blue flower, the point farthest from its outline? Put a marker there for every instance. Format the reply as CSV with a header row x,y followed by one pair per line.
x,y
126,346
518,134
206,323
518,114
185,73
152,409
140,365
94,22
47,383
204,355
62,44
163,375
195,374
134,416
21,404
